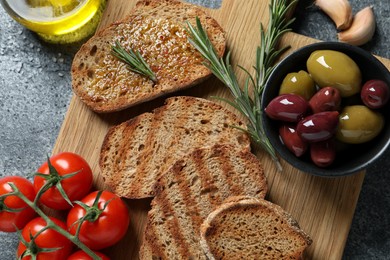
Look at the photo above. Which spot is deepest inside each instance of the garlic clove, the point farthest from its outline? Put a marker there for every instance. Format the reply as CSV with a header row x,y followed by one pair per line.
x,y
362,29
339,11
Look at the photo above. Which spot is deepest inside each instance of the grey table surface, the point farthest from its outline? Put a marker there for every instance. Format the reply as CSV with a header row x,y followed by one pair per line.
x,y
35,93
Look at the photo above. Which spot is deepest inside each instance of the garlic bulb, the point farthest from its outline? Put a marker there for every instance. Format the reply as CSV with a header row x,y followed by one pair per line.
x,y
339,11
362,28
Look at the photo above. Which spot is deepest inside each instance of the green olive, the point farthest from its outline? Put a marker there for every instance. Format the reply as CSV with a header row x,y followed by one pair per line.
x,y
299,83
335,69
358,124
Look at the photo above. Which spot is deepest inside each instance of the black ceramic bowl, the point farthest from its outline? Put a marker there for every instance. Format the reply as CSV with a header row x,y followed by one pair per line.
x,y
355,157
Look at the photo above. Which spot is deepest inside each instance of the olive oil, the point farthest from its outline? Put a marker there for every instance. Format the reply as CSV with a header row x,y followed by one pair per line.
x,y
58,21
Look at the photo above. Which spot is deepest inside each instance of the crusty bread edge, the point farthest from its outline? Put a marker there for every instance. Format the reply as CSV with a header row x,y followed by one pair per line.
x,y
157,187
112,183
242,201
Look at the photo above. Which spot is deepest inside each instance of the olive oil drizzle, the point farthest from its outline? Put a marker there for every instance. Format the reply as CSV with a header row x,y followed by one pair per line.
x,y
134,60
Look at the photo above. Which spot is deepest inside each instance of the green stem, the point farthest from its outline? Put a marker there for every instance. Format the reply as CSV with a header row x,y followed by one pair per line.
x,y
53,179
92,213
52,225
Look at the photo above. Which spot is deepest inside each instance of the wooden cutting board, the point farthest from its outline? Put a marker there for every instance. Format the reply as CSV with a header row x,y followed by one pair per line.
x,y
324,207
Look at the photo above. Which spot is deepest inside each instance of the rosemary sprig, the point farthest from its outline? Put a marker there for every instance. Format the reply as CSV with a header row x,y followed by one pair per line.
x,y
134,60
246,102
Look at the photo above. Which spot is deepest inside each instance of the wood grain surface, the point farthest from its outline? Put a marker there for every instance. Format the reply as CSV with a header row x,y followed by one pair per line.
x,y
324,207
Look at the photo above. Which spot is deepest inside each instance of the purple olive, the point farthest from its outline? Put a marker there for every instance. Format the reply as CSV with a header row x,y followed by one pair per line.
x,y
375,93
323,153
287,108
326,99
292,140
318,127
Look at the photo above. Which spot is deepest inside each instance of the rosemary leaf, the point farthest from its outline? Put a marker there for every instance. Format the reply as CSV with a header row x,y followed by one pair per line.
x,y
249,104
134,60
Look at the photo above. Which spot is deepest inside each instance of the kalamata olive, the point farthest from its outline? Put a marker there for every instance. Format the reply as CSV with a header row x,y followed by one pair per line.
x,y
287,108
323,153
299,83
326,99
292,140
335,69
318,127
359,124
375,93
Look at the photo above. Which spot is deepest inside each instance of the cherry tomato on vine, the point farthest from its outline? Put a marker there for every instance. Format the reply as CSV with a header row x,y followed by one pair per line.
x,y
81,255
48,239
106,222
58,173
14,212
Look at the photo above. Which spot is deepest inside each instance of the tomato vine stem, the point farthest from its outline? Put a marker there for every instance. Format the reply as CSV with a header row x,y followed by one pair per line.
x,y
53,179
92,212
51,225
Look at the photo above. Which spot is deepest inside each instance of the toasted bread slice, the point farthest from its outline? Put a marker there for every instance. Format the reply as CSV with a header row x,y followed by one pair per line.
x,y
155,28
189,191
135,153
252,228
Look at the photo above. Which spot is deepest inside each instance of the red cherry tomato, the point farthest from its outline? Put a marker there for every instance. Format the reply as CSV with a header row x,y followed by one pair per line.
x,y
9,220
81,255
110,226
75,187
47,239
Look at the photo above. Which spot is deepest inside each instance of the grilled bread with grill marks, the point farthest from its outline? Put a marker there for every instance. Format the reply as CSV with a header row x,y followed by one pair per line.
x,y
155,28
135,153
190,190
252,228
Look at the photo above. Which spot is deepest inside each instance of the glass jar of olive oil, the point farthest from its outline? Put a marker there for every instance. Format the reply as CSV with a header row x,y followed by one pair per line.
x,y
57,21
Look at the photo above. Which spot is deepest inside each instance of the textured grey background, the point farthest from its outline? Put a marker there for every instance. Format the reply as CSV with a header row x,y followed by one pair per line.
x,y
35,92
